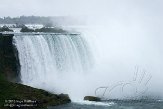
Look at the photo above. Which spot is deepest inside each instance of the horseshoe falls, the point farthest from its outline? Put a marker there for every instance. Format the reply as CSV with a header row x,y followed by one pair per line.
x,y
53,61
78,64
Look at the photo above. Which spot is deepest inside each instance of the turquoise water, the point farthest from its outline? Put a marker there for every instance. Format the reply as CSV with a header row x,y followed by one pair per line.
x,y
115,104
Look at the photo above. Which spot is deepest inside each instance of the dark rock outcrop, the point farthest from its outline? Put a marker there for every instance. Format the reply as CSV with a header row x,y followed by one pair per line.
x,y
51,30
9,61
44,29
5,29
92,98
37,98
26,29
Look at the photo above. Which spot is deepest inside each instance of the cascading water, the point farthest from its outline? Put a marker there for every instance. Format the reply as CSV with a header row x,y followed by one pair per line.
x,y
79,64
45,57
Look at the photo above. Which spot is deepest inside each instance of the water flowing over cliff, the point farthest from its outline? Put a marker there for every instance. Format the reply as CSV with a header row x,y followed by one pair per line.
x,y
43,57
78,64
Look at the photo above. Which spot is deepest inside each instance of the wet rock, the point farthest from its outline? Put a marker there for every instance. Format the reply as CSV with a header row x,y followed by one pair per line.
x,y
26,29
92,98
9,61
5,29
39,99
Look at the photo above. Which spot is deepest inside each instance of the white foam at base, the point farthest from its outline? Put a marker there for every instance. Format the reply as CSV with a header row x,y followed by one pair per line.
x,y
85,102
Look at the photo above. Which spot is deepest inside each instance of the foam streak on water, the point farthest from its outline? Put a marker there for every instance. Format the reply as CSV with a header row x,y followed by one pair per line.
x,y
85,102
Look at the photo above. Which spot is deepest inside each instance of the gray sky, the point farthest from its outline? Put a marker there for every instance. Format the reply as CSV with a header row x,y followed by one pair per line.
x,y
79,7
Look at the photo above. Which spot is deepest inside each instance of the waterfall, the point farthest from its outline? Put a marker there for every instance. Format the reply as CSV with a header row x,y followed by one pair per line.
x,y
78,64
45,56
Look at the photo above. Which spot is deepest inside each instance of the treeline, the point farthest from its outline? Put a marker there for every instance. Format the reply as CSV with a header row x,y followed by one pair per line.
x,y
50,21
26,20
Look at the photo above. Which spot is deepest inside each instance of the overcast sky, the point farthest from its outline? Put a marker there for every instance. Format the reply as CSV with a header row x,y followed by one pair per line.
x,y
79,7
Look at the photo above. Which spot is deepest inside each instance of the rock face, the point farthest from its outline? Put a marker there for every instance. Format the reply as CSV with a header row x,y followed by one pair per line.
x,y
52,30
5,28
26,29
9,61
44,29
9,75
92,98
39,99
